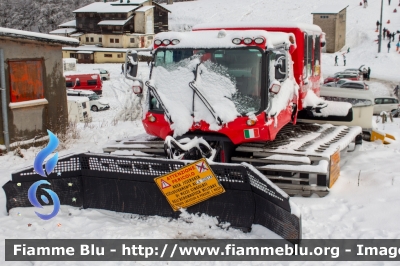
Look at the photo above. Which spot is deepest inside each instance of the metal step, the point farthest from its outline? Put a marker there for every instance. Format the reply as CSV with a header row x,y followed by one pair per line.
x,y
271,160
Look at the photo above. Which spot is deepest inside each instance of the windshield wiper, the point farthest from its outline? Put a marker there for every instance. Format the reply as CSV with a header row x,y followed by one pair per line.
x,y
202,97
153,90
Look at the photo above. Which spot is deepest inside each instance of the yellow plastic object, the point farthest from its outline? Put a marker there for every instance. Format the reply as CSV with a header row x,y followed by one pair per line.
x,y
390,136
384,137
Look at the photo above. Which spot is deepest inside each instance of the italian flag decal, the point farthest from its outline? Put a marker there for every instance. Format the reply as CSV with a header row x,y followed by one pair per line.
x,y
251,133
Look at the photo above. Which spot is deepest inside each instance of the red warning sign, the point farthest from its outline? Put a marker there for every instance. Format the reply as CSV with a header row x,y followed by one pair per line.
x,y
164,184
201,167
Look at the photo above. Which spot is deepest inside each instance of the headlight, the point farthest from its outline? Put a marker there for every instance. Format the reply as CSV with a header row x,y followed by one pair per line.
x,y
236,41
247,40
175,41
259,40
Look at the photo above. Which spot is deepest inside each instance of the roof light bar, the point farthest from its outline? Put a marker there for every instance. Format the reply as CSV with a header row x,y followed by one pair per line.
x,y
166,42
157,42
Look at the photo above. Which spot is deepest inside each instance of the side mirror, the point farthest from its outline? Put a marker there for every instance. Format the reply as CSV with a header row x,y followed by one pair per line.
x,y
131,63
280,67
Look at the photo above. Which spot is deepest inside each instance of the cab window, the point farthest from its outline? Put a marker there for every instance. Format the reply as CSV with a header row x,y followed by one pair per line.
x,y
317,56
387,101
308,55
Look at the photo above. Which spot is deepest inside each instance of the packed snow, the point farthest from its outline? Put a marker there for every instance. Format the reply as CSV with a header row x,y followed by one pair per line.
x,y
362,204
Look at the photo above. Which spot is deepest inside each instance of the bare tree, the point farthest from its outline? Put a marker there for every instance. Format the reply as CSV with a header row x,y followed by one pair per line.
x,y
38,15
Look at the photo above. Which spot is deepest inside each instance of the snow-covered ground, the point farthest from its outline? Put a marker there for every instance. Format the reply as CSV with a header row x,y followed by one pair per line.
x,y
362,204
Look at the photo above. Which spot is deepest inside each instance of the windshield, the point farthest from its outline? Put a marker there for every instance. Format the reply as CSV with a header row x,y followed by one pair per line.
x,y
241,66
93,97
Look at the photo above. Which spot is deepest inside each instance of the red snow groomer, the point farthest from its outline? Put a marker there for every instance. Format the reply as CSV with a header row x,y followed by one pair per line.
x,y
233,93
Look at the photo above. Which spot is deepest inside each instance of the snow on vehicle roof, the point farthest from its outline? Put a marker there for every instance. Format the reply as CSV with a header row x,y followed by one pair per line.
x,y
85,92
255,25
346,93
210,39
329,9
42,37
144,8
89,72
63,30
78,99
71,23
114,22
101,7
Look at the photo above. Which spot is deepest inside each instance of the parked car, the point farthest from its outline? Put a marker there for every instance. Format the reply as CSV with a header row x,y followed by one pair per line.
x,y
96,104
104,74
387,104
358,70
342,75
354,85
84,81
337,83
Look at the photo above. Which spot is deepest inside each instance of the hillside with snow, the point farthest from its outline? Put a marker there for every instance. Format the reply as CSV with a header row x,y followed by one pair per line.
x,y
362,204
361,25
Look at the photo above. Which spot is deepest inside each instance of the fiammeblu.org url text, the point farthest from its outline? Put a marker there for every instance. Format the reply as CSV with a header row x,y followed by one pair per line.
x,y
231,250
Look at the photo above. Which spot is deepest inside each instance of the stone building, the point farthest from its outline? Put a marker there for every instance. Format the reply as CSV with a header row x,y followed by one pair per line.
x,y
332,20
116,24
31,71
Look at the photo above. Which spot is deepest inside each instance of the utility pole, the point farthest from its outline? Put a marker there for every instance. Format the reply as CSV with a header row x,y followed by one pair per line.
x,y
380,30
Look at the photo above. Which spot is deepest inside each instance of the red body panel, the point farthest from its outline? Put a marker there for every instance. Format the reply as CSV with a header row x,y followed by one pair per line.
x,y
233,130
87,82
267,129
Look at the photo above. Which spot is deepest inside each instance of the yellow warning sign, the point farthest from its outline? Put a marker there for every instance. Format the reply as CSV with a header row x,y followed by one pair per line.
x,y
189,185
334,169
